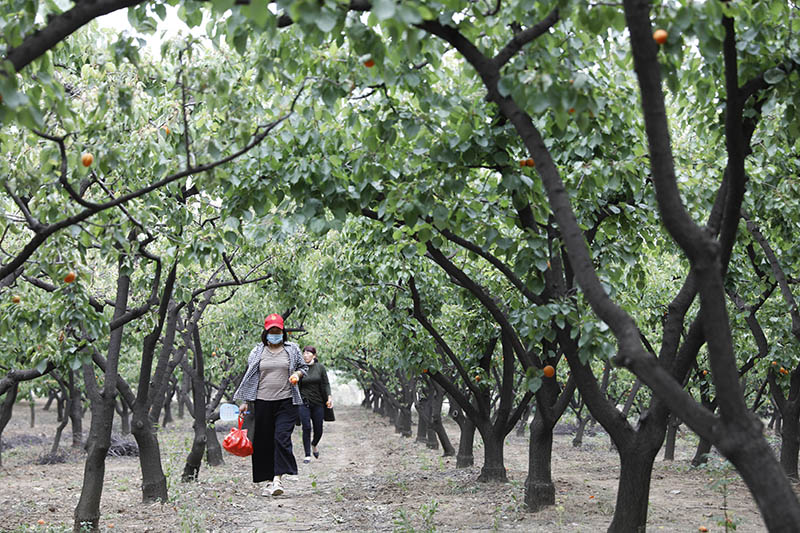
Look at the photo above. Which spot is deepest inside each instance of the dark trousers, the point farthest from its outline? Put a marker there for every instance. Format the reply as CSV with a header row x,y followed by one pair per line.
x,y
272,439
309,414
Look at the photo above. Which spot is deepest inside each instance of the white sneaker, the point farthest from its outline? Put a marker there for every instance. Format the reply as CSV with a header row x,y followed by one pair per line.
x,y
307,459
277,487
267,490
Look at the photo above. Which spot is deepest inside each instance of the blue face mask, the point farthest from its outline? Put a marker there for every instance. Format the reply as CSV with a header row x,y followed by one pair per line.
x,y
275,338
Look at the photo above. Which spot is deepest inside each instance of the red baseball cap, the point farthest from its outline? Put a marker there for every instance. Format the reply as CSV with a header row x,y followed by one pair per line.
x,y
273,320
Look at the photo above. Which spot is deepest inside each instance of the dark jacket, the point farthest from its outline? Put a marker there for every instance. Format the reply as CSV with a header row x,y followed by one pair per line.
x,y
314,387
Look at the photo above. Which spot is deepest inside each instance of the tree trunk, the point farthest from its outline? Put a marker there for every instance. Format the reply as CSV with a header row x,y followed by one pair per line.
x,y
790,439
61,403
59,431
636,467
154,482
124,417
465,456
87,512
5,413
672,433
191,470
747,449
701,453
494,468
168,408
523,421
403,421
183,394
422,420
431,437
213,448
436,422
75,410
52,394
33,412
577,440
539,489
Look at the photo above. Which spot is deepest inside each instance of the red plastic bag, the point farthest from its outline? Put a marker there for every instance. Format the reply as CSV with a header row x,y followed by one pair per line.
x,y
237,443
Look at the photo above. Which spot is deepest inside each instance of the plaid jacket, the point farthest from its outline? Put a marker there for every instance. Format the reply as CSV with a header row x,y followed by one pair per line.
x,y
248,389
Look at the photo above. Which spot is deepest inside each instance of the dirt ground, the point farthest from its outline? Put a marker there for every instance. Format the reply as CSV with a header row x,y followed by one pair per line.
x,y
368,478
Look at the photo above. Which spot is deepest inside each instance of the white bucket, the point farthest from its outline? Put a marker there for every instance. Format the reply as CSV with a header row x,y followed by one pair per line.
x,y
228,412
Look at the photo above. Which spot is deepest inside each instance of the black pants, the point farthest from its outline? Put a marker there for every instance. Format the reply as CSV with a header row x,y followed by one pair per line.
x,y
308,414
272,439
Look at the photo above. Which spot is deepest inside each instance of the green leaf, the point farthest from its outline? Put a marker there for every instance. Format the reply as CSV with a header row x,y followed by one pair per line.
x,y
383,9
325,21
774,75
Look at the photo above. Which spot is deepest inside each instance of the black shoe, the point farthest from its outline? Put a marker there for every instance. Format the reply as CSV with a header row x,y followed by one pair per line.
x,y
316,454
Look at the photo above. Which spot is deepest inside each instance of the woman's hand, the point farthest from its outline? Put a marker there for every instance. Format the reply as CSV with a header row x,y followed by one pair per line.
x,y
294,378
243,408
329,404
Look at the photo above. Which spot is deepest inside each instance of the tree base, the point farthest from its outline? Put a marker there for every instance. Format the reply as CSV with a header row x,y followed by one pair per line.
x,y
464,461
539,494
493,475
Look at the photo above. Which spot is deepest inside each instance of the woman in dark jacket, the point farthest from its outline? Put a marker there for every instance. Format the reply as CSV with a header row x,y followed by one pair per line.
x,y
269,390
316,392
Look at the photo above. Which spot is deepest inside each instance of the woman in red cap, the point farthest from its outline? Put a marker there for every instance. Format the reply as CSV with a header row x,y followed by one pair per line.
x,y
269,390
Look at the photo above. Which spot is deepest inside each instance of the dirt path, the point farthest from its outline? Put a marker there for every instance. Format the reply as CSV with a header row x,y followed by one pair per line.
x,y
368,478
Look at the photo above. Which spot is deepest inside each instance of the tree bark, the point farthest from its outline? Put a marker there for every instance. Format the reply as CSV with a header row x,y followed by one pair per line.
x,y
423,406
701,453
465,456
87,512
436,423
154,482
75,411
213,447
493,469
403,421
672,433
5,413
630,513
577,440
539,488
790,439
124,417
